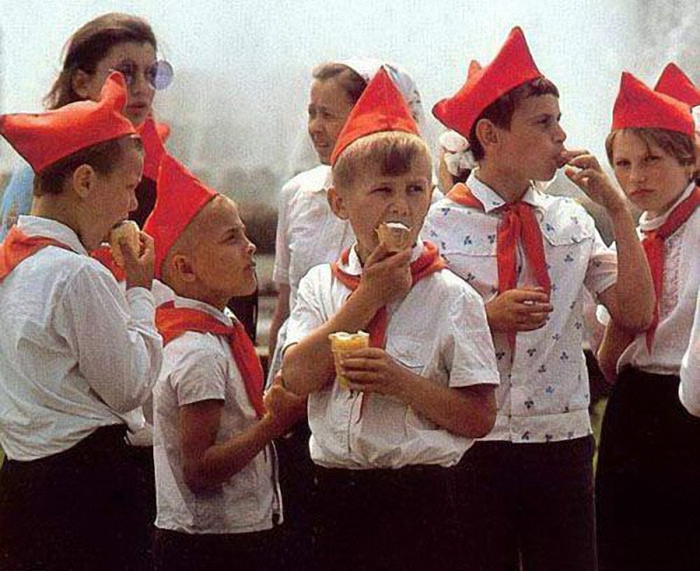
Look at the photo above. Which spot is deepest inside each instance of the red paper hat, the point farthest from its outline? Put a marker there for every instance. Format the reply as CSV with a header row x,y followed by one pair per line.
x,y
511,67
153,135
678,85
638,106
381,107
181,195
45,138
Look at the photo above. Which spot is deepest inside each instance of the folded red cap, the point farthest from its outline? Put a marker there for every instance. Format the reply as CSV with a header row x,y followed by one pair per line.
x,y
638,106
678,85
180,197
512,66
45,138
381,107
153,135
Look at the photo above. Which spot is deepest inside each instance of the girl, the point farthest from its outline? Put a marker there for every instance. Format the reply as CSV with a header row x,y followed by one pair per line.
x,y
648,469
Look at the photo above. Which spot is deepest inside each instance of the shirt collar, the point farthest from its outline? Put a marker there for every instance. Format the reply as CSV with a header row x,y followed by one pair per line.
x,y
492,200
189,303
47,228
646,223
354,267
326,178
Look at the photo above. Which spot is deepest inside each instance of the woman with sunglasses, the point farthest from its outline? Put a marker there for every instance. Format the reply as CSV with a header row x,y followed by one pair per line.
x,y
113,41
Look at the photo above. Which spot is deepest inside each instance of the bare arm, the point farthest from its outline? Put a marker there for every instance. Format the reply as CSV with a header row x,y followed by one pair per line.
x,y
468,411
207,464
280,315
631,300
615,341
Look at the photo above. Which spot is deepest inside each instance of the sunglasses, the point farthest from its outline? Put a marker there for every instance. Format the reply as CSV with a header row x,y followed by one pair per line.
x,y
159,75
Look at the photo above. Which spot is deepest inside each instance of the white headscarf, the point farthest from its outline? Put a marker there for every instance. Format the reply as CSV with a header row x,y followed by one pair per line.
x,y
368,67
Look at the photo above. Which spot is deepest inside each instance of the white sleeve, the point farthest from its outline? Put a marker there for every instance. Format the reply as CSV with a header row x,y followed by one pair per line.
x,y
689,390
602,267
308,313
470,351
114,336
280,270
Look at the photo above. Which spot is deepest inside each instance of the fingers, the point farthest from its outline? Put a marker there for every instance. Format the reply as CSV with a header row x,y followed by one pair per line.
x,y
528,296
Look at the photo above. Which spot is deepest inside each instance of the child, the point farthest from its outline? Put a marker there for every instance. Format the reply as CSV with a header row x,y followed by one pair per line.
x,y
527,489
218,502
423,389
647,499
76,352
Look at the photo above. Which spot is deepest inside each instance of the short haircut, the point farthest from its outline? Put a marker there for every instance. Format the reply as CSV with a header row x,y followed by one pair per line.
x,y
393,151
678,145
103,157
501,111
349,80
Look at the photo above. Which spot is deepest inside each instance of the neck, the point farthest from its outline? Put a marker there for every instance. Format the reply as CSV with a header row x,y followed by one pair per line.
x,y
502,181
63,210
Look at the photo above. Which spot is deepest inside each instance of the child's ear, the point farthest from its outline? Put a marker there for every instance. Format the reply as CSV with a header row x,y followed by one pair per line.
x,y
83,180
486,133
337,203
183,267
79,83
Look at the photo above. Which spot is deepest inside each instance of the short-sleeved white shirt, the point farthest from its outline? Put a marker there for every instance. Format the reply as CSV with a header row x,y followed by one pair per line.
x,y
680,290
438,330
76,352
544,391
689,389
308,233
199,367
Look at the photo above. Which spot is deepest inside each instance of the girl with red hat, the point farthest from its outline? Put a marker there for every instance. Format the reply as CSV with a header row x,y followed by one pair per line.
x,y
77,351
648,503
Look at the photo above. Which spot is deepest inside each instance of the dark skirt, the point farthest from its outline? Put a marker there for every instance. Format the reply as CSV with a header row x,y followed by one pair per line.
x,y
648,477
76,510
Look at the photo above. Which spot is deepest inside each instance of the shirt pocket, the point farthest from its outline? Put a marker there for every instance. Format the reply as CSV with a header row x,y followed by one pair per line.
x,y
409,352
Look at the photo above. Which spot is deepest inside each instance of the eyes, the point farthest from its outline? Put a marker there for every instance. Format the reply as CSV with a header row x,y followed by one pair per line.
x,y
159,74
648,160
411,189
320,112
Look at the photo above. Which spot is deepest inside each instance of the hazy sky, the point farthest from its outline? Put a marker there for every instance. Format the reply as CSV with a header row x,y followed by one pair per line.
x,y
251,58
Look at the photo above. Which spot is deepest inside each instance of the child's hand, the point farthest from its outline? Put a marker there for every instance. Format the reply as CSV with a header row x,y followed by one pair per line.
x,y
372,370
518,310
386,276
139,269
284,408
585,172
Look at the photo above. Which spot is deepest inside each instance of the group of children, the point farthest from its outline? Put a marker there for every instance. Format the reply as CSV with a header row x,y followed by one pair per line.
x,y
459,438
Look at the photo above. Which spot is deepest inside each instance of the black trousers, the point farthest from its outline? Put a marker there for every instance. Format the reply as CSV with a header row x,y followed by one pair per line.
x,y
384,520
299,495
648,478
76,510
527,506
257,551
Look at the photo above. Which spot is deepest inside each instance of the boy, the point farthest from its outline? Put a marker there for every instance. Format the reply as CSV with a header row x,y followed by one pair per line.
x,y
425,386
527,490
76,352
217,495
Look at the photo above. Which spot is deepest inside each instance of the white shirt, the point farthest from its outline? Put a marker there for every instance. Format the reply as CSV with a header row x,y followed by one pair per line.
x,y
438,331
308,233
689,389
75,351
680,290
199,367
544,391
